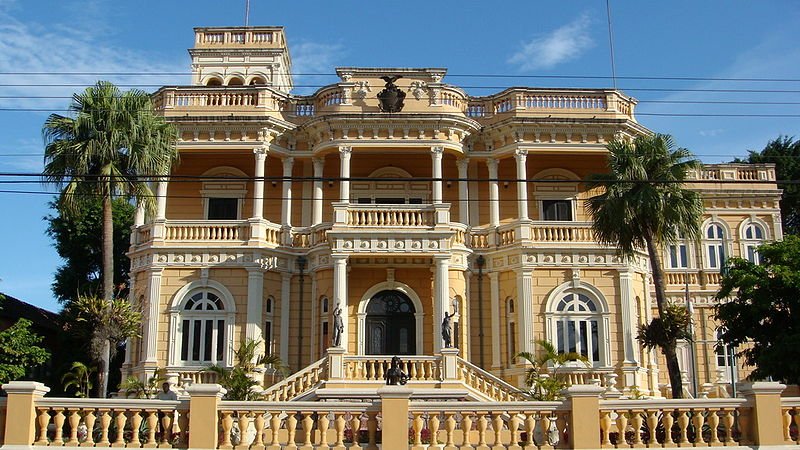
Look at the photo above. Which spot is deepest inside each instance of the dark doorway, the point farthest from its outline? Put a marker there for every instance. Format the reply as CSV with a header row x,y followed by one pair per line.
x,y
391,325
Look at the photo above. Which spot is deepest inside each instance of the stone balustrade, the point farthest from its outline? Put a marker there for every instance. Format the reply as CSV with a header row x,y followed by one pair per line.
x,y
374,368
233,232
391,420
734,172
545,101
397,216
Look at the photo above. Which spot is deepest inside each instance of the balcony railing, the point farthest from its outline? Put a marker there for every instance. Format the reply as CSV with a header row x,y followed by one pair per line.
x,y
551,101
391,216
209,231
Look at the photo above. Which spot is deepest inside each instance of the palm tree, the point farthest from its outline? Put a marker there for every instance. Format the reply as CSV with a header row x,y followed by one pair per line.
x,y
643,205
107,148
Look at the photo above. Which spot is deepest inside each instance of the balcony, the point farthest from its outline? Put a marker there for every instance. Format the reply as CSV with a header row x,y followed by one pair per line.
x,y
191,233
548,102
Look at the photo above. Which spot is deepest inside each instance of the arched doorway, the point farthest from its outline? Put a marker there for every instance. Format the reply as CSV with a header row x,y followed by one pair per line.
x,y
390,324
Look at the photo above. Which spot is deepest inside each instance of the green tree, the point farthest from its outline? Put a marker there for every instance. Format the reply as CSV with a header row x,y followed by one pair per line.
x,y
19,351
75,239
78,378
759,310
784,152
238,380
643,205
544,386
107,149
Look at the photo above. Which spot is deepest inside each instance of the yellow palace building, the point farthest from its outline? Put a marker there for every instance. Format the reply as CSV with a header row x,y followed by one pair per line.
x,y
352,225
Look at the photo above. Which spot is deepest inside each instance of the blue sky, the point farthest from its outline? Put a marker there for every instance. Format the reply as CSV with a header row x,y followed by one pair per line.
x,y
707,39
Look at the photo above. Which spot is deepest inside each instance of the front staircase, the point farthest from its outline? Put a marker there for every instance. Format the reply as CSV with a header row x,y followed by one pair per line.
x,y
344,377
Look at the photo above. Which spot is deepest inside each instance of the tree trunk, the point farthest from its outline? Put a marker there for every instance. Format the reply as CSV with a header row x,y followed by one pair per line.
x,y
669,352
108,285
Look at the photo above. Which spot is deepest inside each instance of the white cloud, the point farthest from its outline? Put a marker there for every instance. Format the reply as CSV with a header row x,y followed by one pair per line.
x,y
54,51
711,133
314,58
546,51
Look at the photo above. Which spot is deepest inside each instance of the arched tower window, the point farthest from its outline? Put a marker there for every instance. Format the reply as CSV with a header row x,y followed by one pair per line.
x,y
511,330
578,326
202,329
753,235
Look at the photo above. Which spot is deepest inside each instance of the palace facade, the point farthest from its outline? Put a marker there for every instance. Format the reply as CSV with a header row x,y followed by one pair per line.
x,y
286,211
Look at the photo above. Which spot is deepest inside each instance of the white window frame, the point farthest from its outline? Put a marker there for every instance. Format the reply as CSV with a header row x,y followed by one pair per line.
x,y
602,315
750,244
540,199
394,188
220,188
718,244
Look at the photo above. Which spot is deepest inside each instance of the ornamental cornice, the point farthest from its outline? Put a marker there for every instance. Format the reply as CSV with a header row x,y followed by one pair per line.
x,y
427,244
206,259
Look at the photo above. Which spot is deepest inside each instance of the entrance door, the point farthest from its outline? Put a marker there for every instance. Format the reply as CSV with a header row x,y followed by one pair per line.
x,y
391,325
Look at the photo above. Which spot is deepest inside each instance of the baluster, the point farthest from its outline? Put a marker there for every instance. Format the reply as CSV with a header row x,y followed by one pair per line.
x,y
417,425
637,428
89,419
727,423
683,426
787,423
652,424
274,428
413,372
381,373
74,421
466,429
183,428
136,425
668,420
433,426
258,423
105,422
697,421
544,424
605,429
291,430
449,427
227,426
323,423
372,429
339,425
796,417
743,426
355,428
244,423
622,427
497,424
58,421
43,419
713,423
119,422
482,425
152,424
167,431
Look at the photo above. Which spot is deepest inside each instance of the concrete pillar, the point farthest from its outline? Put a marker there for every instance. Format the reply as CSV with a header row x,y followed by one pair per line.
x,y
138,219
494,193
316,209
150,338
20,414
522,183
286,300
344,173
766,421
463,191
628,306
525,310
204,415
258,183
340,295
441,298
494,298
394,411
436,156
584,409
255,306
161,198
286,210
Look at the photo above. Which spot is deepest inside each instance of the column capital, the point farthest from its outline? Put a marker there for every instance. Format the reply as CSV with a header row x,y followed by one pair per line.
x,y
626,272
491,163
524,270
288,162
319,164
462,163
261,152
267,135
337,258
521,153
437,150
155,270
345,150
441,258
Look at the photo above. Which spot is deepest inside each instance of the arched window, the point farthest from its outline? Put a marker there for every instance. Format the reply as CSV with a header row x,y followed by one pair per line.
x,y
511,330
268,338
214,82
202,329
257,81
324,330
715,246
678,254
235,81
753,235
577,326
726,362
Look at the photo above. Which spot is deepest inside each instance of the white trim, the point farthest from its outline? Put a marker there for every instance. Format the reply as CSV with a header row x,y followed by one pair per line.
x,y
388,286
602,315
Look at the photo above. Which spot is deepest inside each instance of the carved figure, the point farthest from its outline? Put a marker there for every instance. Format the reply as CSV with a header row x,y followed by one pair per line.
x,y
395,374
447,329
390,99
338,327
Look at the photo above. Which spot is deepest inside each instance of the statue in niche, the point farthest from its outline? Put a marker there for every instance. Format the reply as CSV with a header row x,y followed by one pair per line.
x,y
390,99
338,327
395,374
447,329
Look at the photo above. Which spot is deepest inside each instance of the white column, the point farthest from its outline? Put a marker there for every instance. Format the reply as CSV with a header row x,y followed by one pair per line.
x,y
494,193
286,210
436,156
344,173
441,298
161,197
258,183
463,191
150,338
494,298
628,316
138,219
525,310
286,300
340,295
255,306
522,183
316,210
